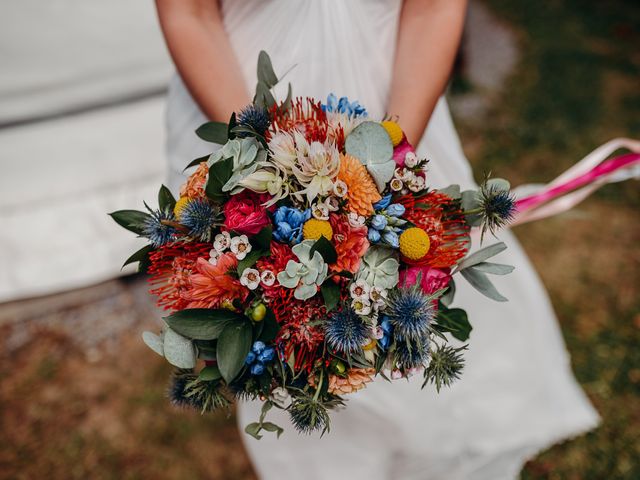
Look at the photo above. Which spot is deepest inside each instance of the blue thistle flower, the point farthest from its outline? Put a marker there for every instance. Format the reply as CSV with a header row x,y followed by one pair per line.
x,y
411,311
498,207
309,415
157,232
177,390
255,118
198,216
411,353
345,331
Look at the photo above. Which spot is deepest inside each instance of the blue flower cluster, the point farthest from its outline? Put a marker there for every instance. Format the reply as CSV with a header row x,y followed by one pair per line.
x,y
258,357
288,222
387,333
352,109
386,225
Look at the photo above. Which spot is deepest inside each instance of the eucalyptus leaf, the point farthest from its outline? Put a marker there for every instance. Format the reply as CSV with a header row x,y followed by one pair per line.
x,y
482,255
202,323
272,427
234,344
499,184
178,350
265,72
481,282
166,200
452,191
470,200
253,429
154,342
369,142
494,268
449,294
214,132
132,220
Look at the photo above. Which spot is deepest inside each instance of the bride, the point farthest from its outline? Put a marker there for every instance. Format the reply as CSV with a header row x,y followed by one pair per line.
x,y
517,395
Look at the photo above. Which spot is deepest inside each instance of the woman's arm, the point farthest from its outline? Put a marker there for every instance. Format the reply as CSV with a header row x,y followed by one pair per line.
x,y
428,38
202,53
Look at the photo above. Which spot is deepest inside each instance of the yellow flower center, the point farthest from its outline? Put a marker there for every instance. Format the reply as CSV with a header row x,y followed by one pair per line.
x,y
313,229
394,131
180,204
414,243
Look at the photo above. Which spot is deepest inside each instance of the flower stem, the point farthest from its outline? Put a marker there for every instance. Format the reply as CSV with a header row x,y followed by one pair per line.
x,y
317,394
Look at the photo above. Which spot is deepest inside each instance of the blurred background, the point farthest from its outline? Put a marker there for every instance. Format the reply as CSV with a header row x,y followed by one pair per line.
x,y
537,86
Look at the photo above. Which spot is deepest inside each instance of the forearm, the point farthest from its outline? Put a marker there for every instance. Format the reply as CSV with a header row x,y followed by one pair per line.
x,y
428,38
202,54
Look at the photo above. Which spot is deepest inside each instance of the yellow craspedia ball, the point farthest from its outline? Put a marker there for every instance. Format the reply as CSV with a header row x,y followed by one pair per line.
x,y
180,204
414,243
313,229
394,131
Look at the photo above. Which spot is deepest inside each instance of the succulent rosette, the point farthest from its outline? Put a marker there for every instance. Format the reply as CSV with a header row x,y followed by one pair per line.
x,y
307,256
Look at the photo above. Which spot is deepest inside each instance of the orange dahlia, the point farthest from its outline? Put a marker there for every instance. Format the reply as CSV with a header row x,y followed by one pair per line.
x,y
355,379
211,286
350,243
362,192
194,186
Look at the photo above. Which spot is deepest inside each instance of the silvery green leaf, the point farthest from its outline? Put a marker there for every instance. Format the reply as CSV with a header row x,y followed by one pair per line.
x,y
494,268
481,282
178,350
499,184
369,142
470,200
447,298
154,342
482,255
452,191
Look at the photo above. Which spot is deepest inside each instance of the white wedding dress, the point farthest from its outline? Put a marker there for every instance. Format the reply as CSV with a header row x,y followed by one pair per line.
x,y
517,394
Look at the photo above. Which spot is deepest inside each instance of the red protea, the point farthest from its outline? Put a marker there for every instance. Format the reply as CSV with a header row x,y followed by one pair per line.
x,y
276,295
305,115
171,268
439,216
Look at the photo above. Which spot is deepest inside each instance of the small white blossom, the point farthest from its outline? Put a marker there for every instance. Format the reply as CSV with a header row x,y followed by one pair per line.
x,y
417,184
332,204
250,278
281,397
360,289
214,255
320,211
356,220
268,278
339,188
414,371
378,333
240,246
403,174
396,184
362,306
410,160
222,241
378,296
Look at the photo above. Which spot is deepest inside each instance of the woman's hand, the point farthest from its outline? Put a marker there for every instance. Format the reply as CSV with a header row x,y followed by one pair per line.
x,y
202,53
428,37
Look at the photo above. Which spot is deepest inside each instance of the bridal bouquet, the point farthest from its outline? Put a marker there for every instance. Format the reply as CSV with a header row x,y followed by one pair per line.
x,y
307,255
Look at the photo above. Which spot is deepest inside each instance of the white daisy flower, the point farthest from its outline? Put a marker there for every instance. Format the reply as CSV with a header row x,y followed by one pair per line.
x,y
240,246
214,255
360,289
250,278
339,188
410,160
222,241
268,278
362,306
378,296
356,220
396,184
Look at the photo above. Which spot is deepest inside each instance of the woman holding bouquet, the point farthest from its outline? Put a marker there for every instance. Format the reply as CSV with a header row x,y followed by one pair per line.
x,y
517,395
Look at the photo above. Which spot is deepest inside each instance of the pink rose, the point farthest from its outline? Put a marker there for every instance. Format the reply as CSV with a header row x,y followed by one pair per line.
x,y
431,279
245,214
401,151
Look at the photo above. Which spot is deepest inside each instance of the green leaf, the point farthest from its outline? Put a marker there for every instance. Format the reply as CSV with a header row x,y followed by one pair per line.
x,y
141,256
264,98
166,200
326,249
232,124
234,344
481,282
270,328
132,220
272,427
330,294
265,70
455,321
154,342
253,429
499,184
452,191
202,323
482,255
470,200
449,294
178,350
494,268
214,132
210,373
196,162
262,240
286,105
219,174
249,261
369,142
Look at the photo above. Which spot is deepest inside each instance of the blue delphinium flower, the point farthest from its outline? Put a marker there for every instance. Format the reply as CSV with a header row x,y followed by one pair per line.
x,y
288,222
411,311
254,117
259,357
412,353
258,347
387,333
157,232
379,222
257,369
395,210
373,235
391,238
251,357
345,331
382,203
198,216
353,109
267,355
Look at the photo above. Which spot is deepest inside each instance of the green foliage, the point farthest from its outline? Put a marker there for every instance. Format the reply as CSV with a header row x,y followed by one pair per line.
x,y
326,249
196,162
141,256
214,132
210,373
166,200
454,321
330,294
178,350
270,328
219,174
202,323
234,344
132,220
